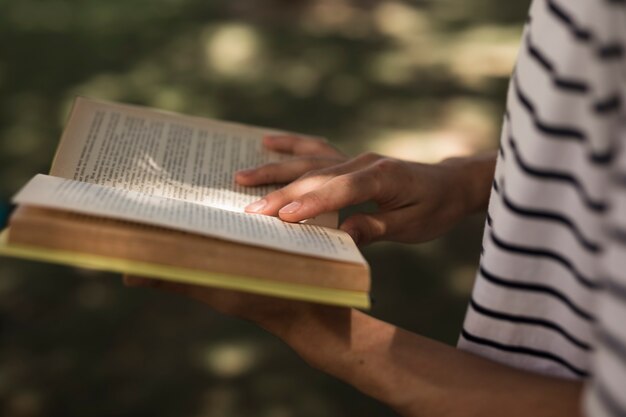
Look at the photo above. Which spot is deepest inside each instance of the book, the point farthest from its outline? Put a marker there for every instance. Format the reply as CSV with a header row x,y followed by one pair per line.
x,y
146,192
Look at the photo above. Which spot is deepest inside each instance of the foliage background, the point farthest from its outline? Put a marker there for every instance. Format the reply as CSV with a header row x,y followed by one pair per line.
x,y
420,80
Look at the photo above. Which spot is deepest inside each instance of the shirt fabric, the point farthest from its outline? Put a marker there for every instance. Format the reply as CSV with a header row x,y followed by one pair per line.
x,y
550,293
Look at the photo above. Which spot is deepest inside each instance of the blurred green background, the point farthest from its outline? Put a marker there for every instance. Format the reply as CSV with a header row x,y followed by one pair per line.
x,y
420,80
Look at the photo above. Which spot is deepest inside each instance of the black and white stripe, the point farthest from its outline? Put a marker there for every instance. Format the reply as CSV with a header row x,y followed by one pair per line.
x,y
550,294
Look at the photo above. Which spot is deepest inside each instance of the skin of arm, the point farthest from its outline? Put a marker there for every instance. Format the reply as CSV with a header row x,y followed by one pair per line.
x,y
417,376
412,374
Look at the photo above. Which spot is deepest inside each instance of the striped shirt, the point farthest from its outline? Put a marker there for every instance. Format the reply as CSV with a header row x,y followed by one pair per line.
x,y
550,294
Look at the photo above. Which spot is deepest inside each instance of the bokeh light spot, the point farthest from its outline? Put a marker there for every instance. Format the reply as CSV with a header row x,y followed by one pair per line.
x,y
229,359
233,50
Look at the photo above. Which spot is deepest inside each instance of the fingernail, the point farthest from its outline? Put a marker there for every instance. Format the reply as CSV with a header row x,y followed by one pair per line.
x,y
269,138
291,207
256,206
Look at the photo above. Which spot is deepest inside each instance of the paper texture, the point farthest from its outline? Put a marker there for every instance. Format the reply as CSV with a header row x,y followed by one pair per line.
x,y
259,230
164,154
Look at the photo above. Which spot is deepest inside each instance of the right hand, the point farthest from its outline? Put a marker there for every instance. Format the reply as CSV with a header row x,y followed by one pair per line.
x,y
417,202
309,153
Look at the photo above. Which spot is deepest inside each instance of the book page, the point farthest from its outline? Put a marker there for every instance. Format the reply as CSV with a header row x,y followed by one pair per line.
x,y
164,154
253,229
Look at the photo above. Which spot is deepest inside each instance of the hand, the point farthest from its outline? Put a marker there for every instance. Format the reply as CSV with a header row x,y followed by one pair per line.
x,y
417,202
309,154
276,315
413,375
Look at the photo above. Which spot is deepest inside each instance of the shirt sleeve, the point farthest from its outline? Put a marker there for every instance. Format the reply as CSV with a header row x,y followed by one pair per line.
x,y
605,391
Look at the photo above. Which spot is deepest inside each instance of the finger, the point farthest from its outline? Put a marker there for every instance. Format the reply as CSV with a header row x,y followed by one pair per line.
x,y
135,281
283,172
225,301
193,291
299,145
368,228
274,201
337,193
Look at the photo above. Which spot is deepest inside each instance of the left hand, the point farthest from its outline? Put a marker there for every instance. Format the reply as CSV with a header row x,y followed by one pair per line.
x,y
276,315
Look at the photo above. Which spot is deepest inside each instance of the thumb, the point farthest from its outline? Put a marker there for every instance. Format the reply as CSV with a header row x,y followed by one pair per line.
x,y
365,228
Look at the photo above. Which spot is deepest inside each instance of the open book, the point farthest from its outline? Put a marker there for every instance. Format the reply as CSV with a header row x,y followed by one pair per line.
x,y
152,193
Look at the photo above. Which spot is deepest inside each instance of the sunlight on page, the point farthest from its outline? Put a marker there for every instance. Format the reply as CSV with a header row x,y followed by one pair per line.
x,y
258,230
164,154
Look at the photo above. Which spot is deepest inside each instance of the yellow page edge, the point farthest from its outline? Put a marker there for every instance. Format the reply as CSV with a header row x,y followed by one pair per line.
x,y
344,298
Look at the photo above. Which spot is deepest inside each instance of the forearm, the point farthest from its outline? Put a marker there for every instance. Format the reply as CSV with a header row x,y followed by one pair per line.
x,y
421,377
473,178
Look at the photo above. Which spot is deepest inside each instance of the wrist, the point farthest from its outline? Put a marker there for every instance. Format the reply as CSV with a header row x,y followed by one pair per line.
x,y
294,320
353,347
472,178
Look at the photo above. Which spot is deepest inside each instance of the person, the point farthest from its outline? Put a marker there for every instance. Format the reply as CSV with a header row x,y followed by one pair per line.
x,y
544,333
